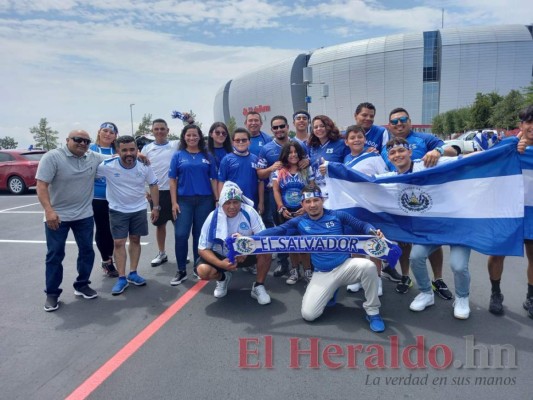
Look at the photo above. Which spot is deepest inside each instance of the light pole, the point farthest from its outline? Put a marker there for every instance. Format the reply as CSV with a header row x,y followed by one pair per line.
x,y
131,116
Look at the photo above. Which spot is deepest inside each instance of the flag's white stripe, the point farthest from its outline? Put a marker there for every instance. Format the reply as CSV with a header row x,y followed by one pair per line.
x,y
528,186
469,198
44,241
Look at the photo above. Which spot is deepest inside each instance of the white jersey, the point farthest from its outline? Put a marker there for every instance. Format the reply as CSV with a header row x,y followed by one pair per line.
x,y
125,186
160,156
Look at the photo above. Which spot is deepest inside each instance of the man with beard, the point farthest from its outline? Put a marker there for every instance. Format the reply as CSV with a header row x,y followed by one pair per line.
x,y
375,136
126,178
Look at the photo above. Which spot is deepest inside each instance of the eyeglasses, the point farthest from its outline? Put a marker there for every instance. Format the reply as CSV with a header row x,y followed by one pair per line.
x,y
395,121
220,133
80,140
240,140
282,126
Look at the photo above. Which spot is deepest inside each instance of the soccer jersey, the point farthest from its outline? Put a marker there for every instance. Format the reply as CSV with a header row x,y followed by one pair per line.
x,y
331,223
270,153
420,144
242,171
291,185
125,186
219,154
366,163
246,225
160,156
193,172
332,150
257,142
99,183
377,137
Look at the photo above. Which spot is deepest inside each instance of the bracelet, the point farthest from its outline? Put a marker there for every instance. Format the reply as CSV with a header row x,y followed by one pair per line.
x,y
281,209
440,150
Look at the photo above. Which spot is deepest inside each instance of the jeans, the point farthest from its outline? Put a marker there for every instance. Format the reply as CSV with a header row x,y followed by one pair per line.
x,y
194,210
55,243
270,205
459,257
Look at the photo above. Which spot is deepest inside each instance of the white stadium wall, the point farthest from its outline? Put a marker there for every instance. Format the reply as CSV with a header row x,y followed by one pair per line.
x,y
426,73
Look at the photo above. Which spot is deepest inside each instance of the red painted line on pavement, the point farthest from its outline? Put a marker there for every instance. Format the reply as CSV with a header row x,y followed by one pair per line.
x,y
102,373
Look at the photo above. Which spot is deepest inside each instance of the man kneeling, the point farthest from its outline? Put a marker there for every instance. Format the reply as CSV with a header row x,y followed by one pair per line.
x,y
233,215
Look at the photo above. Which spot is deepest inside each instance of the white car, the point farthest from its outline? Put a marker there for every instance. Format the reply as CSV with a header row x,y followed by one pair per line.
x,y
464,144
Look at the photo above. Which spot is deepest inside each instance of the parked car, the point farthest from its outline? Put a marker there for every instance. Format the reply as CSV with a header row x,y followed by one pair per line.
x,y
18,169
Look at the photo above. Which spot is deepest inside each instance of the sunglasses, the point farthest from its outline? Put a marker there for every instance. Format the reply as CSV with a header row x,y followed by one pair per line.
x,y
80,140
275,128
395,121
240,140
220,133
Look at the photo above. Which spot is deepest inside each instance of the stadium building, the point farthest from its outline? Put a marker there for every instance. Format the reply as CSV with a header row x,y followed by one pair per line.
x,y
427,73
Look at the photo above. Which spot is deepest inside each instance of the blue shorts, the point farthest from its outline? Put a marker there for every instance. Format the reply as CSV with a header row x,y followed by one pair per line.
x,y
125,224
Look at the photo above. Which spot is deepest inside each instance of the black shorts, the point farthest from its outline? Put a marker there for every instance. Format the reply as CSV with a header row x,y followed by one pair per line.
x,y
165,214
125,224
248,262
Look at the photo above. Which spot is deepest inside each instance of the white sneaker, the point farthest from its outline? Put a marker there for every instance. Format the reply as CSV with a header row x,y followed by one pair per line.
x,y
354,288
253,270
461,308
308,275
421,301
222,286
293,276
161,258
260,294
380,287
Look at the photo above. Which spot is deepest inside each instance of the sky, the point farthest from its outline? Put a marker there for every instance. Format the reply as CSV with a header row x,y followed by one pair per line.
x,y
79,63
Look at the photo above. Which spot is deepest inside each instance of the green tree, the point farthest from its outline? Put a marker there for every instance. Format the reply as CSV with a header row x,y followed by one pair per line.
x,y
449,122
461,117
232,125
528,95
8,143
437,125
44,136
505,113
145,127
481,110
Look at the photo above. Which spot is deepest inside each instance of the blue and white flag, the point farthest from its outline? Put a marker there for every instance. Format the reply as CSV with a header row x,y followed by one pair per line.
x,y
476,201
527,171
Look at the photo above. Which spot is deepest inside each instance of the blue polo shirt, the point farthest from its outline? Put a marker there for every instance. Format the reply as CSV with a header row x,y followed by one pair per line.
x,y
193,172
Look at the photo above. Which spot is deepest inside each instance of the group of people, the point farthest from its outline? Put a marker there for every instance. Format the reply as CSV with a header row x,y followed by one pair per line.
x,y
246,183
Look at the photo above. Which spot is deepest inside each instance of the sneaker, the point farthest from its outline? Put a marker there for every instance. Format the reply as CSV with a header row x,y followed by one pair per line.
x,y
461,308
404,285
188,259
380,287
391,274
136,279
528,305
441,289
294,275
308,275
109,269
354,288
281,270
421,301
260,294
161,258
333,300
252,269
180,277
195,274
222,286
86,292
120,286
376,323
51,303
496,303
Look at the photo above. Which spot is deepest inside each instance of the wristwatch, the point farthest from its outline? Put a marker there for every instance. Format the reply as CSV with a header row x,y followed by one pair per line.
x,y
158,208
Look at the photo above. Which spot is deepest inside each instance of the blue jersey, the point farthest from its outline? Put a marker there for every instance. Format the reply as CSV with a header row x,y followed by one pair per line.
x,y
377,137
420,144
241,170
193,172
100,183
332,150
270,153
291,185
331,223
257,142
219,154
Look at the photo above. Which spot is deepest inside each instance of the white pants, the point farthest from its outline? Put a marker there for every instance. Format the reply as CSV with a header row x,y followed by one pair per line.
x,y
323,285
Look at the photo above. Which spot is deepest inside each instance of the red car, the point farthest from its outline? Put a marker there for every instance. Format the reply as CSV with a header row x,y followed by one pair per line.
x,y
18,168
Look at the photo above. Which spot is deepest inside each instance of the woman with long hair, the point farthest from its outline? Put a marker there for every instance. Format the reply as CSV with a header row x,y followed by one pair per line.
x,y
325,144
219,141
104,144
287,185
193,190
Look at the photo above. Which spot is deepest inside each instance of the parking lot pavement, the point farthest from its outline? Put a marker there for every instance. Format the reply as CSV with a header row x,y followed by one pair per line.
x,y
163,342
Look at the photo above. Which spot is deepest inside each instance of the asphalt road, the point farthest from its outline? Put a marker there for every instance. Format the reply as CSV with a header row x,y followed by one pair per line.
x,y
163,342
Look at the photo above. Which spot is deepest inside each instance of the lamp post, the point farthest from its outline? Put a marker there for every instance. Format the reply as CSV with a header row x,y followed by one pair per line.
x,y
131,116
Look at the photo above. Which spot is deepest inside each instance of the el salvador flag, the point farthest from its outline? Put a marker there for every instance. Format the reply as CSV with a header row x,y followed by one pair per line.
x,y
527,171
476,201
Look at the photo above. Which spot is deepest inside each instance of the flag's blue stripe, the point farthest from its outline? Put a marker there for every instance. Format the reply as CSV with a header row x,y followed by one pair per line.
x,y
481,234
526,160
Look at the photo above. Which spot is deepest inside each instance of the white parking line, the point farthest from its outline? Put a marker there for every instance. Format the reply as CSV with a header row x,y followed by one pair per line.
x,y
14,208
44,241
22,212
